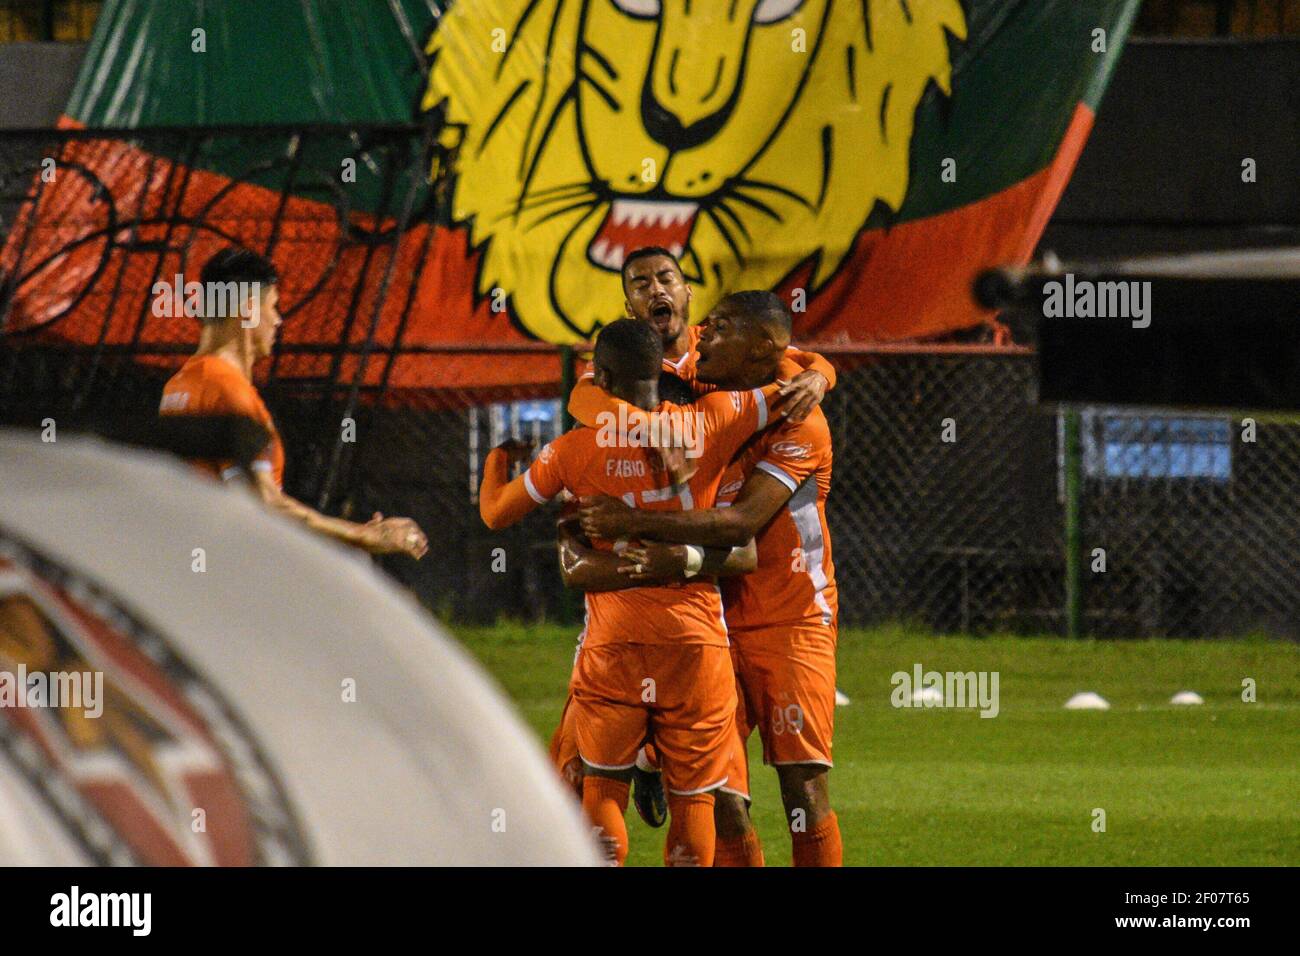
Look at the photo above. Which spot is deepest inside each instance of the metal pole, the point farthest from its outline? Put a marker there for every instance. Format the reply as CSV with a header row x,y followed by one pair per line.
x,y
349,408
1073,529
567,382
571,608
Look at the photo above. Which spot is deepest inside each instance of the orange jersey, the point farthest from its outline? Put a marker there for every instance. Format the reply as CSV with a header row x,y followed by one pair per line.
x,y
209,385
684,367
581,462
794,582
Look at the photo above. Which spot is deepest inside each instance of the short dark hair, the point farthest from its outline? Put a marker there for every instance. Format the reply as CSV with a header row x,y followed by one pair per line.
x,y
675,389
630,350
646,252
764,308
233,264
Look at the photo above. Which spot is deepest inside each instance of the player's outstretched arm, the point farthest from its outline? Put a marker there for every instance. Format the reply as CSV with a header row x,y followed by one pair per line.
x,y
502,502
760,498
649,558
379,535
585,568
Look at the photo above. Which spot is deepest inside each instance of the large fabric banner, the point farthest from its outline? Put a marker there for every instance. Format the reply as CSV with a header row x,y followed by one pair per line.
x,y
865,158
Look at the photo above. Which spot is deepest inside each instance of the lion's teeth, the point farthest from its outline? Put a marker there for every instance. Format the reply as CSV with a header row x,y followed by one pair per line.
x,y
637,212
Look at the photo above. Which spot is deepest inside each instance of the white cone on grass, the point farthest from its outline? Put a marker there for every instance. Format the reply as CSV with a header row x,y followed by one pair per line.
x,y
1087,700
927,695
1186,697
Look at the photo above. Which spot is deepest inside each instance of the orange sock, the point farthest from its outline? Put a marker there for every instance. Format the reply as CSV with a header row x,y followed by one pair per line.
x,y
739,851
690,830
604,800
821,846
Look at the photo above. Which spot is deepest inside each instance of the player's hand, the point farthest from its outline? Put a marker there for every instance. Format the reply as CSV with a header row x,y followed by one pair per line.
x,y
653,560
680,468
569,534
801,395
517,451
603,517
395,536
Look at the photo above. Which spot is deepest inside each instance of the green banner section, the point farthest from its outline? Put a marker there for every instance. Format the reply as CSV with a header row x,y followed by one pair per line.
x,y
1018,67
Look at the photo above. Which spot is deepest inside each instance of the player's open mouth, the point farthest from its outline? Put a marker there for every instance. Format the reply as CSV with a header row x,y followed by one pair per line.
x,y
634,223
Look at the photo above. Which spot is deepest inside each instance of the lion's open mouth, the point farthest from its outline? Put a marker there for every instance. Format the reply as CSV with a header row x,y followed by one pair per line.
x,y
633,223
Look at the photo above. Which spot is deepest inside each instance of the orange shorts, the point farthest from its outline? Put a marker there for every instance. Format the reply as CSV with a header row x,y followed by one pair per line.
x,y
682,696
786,679
564,749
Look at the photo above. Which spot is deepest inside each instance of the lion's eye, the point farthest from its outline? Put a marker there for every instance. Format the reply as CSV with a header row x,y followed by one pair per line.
x,y
641,9
770,11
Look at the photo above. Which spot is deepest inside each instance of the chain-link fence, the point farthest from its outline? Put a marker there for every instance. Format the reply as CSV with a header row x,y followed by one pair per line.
x,y
950,506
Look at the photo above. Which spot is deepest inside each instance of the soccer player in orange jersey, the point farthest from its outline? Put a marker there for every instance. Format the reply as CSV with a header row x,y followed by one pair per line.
x,y
218,379
656,292
653,655
782,617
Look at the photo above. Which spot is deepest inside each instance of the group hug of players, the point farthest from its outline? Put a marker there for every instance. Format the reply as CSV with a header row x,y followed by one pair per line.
x,y
689,648
710,591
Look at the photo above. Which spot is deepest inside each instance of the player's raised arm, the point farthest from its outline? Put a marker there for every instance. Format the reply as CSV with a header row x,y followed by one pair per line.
x,y
809,378
501,501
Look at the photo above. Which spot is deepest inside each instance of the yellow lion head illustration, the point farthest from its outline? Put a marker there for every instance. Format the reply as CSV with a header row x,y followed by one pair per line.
x,y
745,135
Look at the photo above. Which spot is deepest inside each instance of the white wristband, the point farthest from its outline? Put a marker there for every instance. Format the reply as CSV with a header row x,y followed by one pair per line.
x,y
694,560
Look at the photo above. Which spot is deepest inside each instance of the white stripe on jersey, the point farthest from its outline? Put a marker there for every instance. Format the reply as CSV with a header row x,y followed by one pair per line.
x,y
762,409
803,509
532,489
780,475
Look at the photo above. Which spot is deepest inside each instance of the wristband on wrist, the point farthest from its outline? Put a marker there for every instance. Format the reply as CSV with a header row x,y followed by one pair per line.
x,y
694,560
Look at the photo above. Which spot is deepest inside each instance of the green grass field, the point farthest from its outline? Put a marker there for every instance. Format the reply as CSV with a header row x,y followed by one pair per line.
x,y
1212,785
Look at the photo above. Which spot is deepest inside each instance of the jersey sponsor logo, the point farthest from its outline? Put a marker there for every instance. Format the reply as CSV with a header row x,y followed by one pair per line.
x,y
167,773
548,452
731,487
792,449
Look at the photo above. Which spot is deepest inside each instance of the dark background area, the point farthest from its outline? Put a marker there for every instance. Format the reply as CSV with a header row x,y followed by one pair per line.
x,y
965,538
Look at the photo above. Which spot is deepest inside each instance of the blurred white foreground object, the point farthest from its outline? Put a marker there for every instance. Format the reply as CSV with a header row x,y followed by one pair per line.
x,y
268,697
1186,697
841,698
1088,700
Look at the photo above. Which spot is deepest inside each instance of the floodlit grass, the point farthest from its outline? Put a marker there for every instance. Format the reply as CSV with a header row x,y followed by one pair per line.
x,y
1213,785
